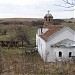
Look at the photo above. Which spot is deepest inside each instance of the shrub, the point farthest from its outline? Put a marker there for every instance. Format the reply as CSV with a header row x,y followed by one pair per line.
x,y
69,21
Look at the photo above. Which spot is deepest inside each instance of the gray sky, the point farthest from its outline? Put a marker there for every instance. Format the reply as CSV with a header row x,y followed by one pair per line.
x,y
33,9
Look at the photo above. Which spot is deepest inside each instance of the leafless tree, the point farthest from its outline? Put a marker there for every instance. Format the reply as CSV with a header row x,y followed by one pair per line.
x,y
70,2
67,4
22,35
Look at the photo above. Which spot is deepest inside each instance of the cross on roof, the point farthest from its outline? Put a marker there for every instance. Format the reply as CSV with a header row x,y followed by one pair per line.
x,y
48,11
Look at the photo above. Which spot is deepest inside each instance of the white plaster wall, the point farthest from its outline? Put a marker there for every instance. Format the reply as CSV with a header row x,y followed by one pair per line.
x,y
74,12
41,46
49,54
43,31
65,53
74,35
37,37
61,35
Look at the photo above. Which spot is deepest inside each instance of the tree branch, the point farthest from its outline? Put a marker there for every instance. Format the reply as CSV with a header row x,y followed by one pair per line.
x,y
70,10
64,6
70,3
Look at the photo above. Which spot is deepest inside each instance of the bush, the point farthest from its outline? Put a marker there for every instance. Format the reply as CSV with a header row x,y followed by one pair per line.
x,y
37,23
3,32
57,22
69,21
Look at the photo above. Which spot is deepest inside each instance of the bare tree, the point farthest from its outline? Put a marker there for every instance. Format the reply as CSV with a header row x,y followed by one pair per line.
x,y
70,2
67,4
22,35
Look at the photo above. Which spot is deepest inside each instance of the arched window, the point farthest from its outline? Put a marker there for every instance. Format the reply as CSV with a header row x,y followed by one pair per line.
x,y
60,54
49,19
70,54
46,19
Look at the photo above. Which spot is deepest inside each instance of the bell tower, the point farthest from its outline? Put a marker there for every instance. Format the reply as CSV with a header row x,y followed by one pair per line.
x,y
48,18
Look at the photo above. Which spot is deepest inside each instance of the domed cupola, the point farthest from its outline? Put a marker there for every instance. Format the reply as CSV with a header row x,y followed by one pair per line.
x,y
48,18
48,15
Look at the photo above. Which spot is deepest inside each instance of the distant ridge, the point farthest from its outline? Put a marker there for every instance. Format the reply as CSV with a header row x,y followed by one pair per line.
x,y
20,19
71,19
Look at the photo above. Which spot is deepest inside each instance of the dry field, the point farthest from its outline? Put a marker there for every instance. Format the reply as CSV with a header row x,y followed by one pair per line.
x,y
16,62
19,19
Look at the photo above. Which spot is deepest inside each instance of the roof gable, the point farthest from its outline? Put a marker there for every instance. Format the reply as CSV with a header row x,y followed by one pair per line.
x,y
65,43
54,29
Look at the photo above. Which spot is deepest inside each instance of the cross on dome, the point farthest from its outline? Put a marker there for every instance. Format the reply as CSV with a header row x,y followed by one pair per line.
x,y
48,11
48,15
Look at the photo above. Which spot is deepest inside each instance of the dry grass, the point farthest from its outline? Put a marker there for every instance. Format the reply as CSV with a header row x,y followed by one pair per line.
x,y
15,62
20,19
32,64
31,30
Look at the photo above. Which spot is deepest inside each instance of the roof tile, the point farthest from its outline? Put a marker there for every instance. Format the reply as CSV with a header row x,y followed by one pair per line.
x,y
52,30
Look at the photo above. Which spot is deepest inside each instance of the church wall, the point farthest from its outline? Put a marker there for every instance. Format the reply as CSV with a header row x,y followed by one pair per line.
x,y
74,12
41,31
65,53
41,46
44,30
50,55
61,35
48,21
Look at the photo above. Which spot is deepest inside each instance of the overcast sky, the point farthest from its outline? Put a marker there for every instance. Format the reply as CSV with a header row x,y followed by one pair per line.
x,y
33,9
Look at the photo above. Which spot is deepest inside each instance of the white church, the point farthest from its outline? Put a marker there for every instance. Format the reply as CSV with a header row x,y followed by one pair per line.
x,y
55,42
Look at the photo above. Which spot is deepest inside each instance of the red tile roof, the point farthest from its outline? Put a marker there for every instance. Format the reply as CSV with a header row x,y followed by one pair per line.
x,y
52,30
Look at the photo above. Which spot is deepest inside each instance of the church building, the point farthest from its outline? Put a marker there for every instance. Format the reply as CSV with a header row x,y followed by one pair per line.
x,y
55,42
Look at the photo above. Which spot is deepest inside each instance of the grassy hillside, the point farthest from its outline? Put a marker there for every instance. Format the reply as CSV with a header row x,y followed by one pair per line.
x,y
10,31
10,24
15,61
71,25
19,19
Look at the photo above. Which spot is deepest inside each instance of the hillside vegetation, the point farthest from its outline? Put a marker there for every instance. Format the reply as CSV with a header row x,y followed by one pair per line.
x,y
15,61
8,26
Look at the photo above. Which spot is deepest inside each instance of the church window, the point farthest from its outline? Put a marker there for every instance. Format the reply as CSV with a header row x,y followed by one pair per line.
x,y
49,19
60,54
70,54
46,19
